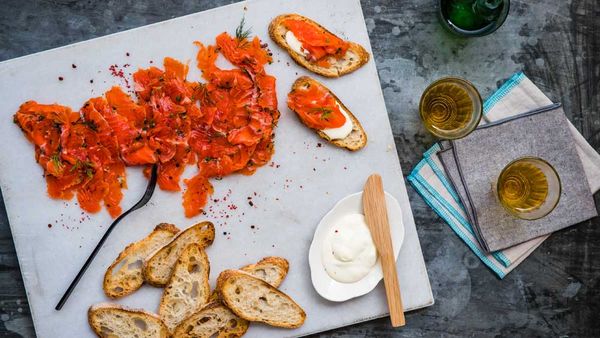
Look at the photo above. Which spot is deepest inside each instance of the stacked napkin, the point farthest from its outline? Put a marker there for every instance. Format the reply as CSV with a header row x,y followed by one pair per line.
x,y
481,228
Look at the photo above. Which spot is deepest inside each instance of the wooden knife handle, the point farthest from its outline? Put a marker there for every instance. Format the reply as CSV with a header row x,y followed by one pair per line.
x,y
376,215
392,290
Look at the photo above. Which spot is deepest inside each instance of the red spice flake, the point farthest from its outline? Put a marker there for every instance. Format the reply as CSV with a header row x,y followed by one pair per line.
x,y
336,231
49,225
60,78
251,203
118,72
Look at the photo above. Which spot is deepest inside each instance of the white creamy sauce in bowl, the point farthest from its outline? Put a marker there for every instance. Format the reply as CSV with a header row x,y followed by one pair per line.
x,y
345,265
348,251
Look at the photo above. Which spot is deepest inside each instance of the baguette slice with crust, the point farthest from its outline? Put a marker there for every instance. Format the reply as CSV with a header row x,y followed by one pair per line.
x,y
124,275
270,269
214,320
357,138
188,288
355,57
113,320
256,300
158,267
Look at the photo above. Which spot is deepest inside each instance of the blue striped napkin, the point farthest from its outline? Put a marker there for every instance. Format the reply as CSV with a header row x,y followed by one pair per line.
x,y
517,95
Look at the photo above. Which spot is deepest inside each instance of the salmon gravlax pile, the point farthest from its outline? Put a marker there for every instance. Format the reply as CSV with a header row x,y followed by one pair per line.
x,y
224,125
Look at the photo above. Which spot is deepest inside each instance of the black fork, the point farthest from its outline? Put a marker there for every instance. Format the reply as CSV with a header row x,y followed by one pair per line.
x,y
147,195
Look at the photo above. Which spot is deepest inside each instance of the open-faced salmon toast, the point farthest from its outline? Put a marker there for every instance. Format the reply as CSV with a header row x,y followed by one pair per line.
x,y
315,48
319,109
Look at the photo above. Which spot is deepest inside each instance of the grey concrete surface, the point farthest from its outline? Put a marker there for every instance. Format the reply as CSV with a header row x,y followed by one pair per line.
x,y
555,292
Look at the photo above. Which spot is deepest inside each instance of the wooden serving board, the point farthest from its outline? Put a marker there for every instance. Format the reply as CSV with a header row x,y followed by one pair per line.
x,y
307,176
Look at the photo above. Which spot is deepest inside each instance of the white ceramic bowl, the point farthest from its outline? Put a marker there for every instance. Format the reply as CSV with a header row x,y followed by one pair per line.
x,y
328,287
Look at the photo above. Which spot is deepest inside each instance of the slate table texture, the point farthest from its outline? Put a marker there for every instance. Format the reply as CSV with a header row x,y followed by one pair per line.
x,y
555,292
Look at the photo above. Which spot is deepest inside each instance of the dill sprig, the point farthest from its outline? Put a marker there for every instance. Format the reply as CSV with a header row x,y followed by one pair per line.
x,y
324,111
55,158
241,33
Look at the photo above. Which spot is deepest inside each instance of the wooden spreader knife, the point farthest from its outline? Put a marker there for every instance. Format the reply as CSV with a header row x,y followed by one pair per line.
x,y
377,220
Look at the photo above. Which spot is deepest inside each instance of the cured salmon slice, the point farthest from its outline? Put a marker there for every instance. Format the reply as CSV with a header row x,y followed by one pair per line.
x,y
196,194
224,125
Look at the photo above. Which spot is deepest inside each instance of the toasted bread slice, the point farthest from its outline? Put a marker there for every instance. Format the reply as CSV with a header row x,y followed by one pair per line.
x,y
356,140
113,320
355,57
159,265
188,288
256,300
214,320
124,275
270,269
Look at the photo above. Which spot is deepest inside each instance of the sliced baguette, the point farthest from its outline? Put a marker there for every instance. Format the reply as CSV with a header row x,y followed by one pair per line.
x,y
113,320
124,275
356,140
158,267
270,269
355,57
188,288
256,300
214,320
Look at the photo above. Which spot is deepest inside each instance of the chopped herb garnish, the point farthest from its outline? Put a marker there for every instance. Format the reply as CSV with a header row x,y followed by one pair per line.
x,y
242,34
324,111
92,125
55,158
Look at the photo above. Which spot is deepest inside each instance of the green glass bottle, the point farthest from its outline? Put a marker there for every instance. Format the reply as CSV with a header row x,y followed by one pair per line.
x,y
473,17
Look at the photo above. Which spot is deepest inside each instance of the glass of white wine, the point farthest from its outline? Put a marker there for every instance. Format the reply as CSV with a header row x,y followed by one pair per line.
x,y
450,108
528,188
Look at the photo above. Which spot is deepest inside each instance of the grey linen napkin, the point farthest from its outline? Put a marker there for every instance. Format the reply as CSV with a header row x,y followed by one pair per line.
x,y
473,164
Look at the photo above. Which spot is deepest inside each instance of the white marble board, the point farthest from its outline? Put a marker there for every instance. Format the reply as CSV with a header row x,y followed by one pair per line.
x,y
292,195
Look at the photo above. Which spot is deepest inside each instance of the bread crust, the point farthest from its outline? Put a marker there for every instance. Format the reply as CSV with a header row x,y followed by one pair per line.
x,y
279,262
117,307
225,331
277,33
356,140
227,277
204,288
131,248
207,229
